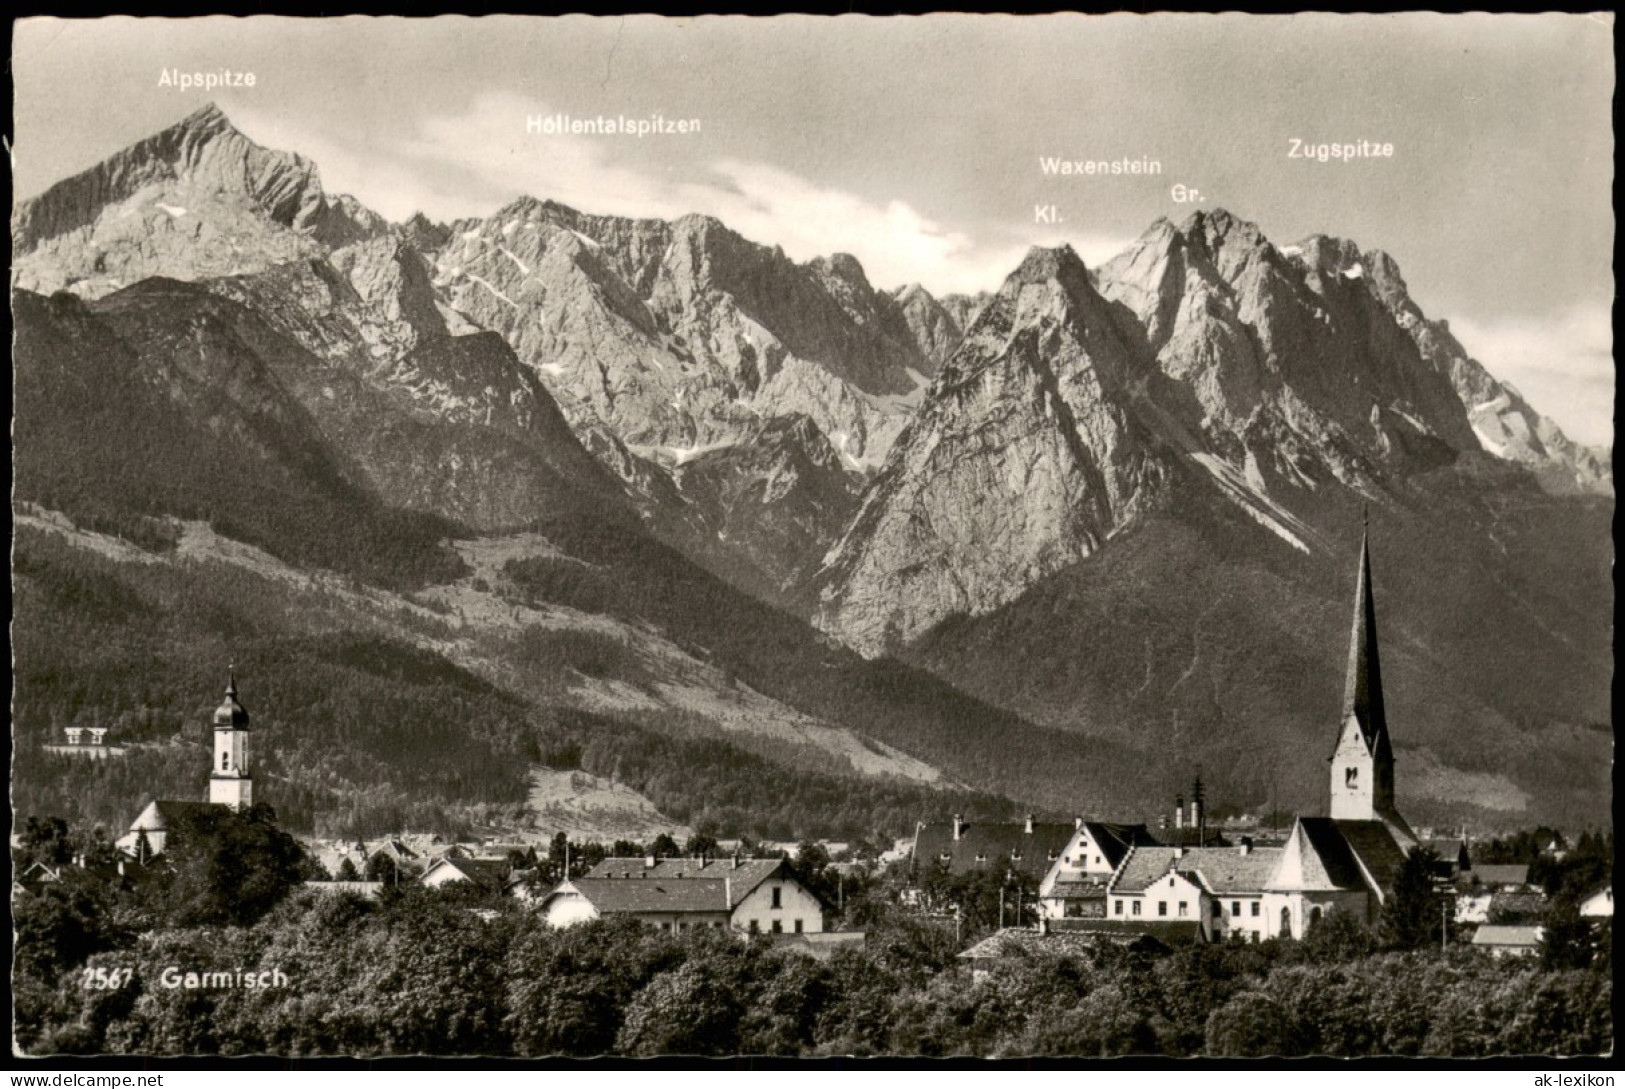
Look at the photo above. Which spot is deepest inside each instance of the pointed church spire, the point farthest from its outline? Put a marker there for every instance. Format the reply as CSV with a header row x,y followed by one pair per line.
x,y
231,680
1362,692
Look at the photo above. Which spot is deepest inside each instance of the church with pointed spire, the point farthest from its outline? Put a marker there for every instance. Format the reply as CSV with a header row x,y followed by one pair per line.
x,y
1362,763
1347,860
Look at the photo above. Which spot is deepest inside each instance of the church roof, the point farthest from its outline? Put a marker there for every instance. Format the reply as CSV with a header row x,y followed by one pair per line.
x,y
230,712
1339,854
1362,687
163,812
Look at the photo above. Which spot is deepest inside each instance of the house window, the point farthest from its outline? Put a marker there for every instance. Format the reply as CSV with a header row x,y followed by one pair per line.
x,y
755,927
1255,909
1162,907
1350,776
798,926
778,927
665,926
224,757
1119,907
1182,906
777,893
1218,909
1235,908
1136,907
1097,860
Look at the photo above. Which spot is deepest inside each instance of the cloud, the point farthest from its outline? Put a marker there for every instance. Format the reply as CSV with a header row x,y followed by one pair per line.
x,y
471,162
1563,364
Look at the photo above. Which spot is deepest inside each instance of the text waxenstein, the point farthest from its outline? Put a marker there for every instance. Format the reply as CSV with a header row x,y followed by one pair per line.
x,y
562,124
1056,165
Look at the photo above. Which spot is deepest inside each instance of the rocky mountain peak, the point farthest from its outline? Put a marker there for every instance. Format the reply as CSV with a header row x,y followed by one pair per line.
x,y
1060,263
845,267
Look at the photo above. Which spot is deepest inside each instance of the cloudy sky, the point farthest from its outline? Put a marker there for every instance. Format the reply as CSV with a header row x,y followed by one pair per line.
x,y
915,143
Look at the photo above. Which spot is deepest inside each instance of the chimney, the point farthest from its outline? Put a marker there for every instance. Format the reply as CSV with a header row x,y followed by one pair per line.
x,y
959,826
648,862
728,892
736,860
1029,824
1196,819
1246,845
1179,812
1179,852
1077,823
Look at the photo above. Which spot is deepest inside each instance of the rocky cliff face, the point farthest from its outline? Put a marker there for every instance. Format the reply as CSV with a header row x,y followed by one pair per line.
x,y
1023,459
1276,376
680,336
679,341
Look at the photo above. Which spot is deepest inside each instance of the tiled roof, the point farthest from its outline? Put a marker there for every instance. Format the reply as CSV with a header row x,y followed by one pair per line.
x,y
746,874
1501,875
1225,870
1142,868
993,845
1508,935
1077,890
612,896
1019,943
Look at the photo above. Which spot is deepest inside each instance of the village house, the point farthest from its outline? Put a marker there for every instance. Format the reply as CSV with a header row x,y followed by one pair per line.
x,y
490,875
1502,877
757,895
89,742
1509,941
1599,905
1075,884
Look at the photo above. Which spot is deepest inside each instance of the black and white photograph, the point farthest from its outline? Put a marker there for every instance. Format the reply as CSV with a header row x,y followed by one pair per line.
x,y
1001,539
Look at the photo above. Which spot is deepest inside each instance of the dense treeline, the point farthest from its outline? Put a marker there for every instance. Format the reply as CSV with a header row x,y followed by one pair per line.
x,y
423,973
706,781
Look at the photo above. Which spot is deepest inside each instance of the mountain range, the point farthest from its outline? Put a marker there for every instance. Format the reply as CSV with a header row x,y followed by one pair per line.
x,y
1059,545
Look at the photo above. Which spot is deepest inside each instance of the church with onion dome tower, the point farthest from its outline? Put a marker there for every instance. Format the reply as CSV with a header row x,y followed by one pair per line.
x,y
231,781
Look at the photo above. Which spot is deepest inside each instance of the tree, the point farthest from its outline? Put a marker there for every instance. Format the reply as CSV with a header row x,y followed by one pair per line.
x,y
1251,1024
1416,906
1568,941
225,867
664,846
347,871
702,843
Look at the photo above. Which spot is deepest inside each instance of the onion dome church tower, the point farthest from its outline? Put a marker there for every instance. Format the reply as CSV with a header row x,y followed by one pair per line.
x,y
230,781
